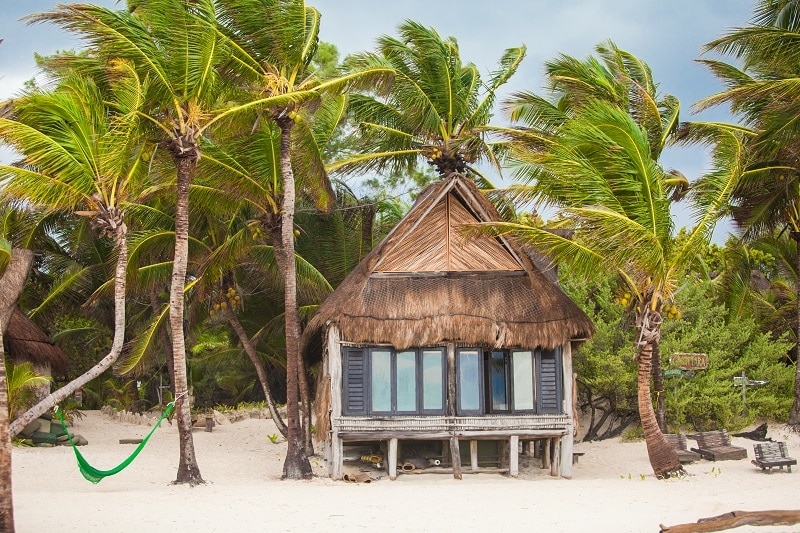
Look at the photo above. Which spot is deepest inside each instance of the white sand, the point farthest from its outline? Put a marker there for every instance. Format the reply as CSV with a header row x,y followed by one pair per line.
x,y
244,491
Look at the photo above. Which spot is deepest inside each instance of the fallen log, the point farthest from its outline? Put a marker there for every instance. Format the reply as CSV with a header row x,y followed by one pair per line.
x,y
737,519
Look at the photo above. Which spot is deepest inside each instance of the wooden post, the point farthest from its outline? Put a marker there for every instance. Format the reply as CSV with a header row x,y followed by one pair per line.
x,y
455,455
451,380
513,456
392,462
209,423
335,466
473,455
570,401
546,453
555,467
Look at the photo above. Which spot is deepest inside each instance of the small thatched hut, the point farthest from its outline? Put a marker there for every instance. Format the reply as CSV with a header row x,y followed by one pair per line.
x,y
437,338
24,341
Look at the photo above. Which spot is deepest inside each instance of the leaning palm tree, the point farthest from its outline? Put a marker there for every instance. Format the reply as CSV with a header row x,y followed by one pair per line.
x,y
764,92
175,46
436,110
15,264
80,149
594,161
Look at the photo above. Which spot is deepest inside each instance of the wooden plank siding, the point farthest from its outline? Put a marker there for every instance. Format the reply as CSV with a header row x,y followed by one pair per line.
x,y
440,246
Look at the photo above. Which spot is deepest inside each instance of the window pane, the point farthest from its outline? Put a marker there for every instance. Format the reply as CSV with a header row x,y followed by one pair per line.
x,y
381,380
469,380
432,383
407,381
497,375
522,363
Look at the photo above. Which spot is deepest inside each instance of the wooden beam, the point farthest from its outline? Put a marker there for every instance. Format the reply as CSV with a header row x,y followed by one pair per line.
x,y
455,456
513,455
392,459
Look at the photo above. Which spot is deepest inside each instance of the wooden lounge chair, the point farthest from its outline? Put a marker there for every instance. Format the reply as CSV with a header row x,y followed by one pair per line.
x,y
678,442
716,446
772,454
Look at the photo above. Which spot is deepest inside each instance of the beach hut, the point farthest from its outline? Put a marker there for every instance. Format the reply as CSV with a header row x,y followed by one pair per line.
x,y
441,339
23,341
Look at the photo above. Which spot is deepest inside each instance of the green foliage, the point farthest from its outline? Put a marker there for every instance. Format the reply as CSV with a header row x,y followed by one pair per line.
x,y
273,438
607,371
709,399
22,382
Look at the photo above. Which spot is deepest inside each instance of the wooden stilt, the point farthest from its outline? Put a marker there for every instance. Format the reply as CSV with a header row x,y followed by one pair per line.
x,y
555,445
455,455
473,455
392,459
546,443
513,456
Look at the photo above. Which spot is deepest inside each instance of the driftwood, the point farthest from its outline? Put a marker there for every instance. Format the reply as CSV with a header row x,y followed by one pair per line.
x,y
737,519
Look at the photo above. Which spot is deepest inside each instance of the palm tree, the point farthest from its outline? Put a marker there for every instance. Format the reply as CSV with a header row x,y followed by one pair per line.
x,y
15,264
275,59
765,95
593,156
436,110
177,48
80,155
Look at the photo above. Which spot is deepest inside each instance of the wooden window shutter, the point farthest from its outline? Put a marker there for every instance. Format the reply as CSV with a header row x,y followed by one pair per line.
x,y
355,383
549,382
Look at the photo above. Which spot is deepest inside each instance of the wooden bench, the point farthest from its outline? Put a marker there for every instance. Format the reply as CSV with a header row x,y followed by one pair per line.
x,y
716,446
772,454
678,443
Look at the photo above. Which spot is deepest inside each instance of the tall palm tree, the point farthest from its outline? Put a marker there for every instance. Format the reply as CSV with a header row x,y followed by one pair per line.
x,y
593,157
80,149
275,59
764,93
436,110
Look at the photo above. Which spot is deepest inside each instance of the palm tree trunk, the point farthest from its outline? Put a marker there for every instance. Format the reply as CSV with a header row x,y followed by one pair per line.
x,y
11,284
121,245
185,162
794,414
658,387
296,465
250,350
6,501
663,457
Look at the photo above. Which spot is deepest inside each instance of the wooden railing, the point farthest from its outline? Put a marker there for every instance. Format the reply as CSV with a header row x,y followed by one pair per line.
x,y
490,424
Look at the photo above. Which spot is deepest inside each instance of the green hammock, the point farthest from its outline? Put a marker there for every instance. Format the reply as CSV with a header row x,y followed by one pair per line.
x,y
93,474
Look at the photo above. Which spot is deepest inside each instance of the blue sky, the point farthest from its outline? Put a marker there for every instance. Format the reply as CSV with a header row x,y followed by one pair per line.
x,y
667,35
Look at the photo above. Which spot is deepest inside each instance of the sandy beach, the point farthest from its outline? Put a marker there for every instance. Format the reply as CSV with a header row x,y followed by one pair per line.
x,y
612,490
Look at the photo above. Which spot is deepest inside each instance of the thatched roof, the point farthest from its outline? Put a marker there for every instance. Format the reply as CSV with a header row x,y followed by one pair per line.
x,y
23,340
427,283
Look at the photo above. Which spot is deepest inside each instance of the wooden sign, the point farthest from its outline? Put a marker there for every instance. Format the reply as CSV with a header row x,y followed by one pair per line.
x,y
689,361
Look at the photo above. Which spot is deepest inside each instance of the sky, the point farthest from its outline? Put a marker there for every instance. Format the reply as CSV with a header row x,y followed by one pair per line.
x,y
667,35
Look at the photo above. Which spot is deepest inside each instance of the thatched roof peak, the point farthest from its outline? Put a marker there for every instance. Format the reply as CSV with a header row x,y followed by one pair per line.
x,y
426,283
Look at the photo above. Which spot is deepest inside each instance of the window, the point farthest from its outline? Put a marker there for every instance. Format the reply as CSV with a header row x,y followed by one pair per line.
x,y
383,381
468,384
522,381
399,382
522,367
